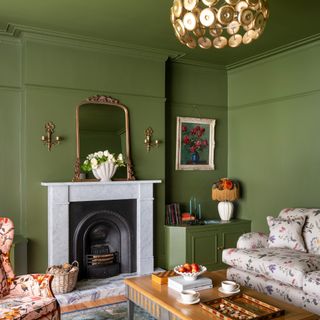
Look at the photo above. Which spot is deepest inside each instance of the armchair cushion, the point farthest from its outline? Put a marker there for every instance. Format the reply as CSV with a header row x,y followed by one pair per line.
x,y
32,284
253,240
285,265
286,233
311,229
26,307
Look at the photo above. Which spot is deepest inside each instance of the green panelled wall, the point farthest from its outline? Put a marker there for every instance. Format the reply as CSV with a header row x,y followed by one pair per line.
x,y
44,79
266,131
10,118
200,92
273,133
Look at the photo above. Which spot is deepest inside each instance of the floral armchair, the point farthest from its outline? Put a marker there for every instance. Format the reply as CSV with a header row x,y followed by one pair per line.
x,y
23,297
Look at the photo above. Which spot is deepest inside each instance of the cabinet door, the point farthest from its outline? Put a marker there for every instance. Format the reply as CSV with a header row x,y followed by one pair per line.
x,y
202,248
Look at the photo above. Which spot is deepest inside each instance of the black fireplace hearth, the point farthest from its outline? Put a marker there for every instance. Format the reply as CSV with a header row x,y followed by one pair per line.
x,y
102,237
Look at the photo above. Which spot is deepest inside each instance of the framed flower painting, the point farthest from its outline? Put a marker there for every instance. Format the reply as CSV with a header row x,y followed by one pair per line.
x,y
195,144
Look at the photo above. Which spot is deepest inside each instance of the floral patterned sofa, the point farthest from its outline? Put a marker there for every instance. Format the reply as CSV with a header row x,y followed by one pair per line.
x,y
23,297
282,272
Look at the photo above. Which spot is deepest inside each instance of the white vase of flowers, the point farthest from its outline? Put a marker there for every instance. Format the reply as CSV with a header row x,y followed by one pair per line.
x,y
103,164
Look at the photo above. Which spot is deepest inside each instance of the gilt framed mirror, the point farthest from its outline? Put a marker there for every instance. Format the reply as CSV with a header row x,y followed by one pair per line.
x,y
102,123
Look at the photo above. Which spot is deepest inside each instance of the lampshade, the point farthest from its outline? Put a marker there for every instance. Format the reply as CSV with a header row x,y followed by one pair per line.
x,y
225,190
218,23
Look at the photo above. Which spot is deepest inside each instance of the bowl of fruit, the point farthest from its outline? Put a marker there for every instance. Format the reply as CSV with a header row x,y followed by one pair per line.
x,y
190,271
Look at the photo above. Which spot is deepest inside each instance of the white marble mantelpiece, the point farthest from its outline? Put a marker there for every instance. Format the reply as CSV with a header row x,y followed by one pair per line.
x,y
60,194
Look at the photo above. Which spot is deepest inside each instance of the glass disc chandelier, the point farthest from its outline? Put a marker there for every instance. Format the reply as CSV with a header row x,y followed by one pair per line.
x,y
218,23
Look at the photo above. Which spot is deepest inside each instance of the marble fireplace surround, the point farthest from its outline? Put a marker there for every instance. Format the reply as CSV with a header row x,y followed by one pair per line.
x,y
60,194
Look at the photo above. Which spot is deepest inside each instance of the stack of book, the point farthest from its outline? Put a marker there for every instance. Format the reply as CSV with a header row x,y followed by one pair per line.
x,y
179,284
173,215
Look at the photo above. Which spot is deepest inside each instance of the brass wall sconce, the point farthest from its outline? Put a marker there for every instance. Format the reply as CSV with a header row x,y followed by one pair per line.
x,y
48,139
148,139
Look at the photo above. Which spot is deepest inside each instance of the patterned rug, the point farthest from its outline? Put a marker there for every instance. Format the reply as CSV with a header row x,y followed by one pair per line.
x,y
116,311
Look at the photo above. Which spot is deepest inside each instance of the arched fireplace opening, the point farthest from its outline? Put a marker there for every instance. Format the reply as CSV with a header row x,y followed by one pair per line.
x,y
103,237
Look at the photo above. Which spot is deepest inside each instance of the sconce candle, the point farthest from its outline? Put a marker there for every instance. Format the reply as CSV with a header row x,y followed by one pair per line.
x,y
48,139
148,139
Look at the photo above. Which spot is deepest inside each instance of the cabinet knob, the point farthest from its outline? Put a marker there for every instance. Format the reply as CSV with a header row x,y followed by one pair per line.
x,y
220,248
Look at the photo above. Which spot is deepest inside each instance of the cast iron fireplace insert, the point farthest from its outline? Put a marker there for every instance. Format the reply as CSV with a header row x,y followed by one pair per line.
x,y
102,237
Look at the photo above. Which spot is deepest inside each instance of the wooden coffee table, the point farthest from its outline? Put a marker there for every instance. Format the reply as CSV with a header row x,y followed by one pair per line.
x,y
161,301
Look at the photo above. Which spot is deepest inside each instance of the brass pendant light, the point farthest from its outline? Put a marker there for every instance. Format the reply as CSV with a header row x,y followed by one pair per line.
x,y
218,23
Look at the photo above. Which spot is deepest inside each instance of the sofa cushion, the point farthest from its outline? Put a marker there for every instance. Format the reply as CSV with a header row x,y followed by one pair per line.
x,y
26,307
311,229
285,265
286,233
311,283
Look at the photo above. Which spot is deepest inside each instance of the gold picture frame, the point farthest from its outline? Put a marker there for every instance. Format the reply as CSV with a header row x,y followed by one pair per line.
x,y
195,143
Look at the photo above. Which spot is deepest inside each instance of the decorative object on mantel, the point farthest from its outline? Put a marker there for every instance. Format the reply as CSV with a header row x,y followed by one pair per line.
x,y
218,24
103,164
107,101
225,191
148,139
195,144
48,139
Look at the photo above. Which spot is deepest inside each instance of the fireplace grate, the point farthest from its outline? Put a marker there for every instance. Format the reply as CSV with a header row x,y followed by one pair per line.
x,y
94,259
101,263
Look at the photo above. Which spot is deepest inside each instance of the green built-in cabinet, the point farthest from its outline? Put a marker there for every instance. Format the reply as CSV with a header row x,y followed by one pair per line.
x,y
202,244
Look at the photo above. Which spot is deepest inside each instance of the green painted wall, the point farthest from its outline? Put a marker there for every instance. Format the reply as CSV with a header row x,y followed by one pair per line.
x,y
267,121
10,118
200,92
43,79
273,133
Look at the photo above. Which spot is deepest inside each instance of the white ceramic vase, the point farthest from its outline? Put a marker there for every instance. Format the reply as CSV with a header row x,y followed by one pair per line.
x,y
225,209
105,171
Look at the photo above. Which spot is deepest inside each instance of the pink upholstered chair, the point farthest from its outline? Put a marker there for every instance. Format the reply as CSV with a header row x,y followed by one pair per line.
x,y
23,297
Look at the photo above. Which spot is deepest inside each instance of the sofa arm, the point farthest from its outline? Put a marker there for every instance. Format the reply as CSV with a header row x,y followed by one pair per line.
x,y
32,284
253,240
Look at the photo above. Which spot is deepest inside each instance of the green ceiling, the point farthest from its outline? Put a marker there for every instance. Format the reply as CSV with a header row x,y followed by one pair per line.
x,y
147,23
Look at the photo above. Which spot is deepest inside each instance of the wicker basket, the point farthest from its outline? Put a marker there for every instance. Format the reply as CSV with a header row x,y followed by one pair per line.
x,y
64,277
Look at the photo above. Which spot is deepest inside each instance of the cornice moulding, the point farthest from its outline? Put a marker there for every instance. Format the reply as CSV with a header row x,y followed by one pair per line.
x,y
73,40
275,53
191,62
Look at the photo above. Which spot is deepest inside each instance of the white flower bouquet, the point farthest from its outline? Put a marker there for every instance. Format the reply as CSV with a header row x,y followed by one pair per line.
x,y
94,160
